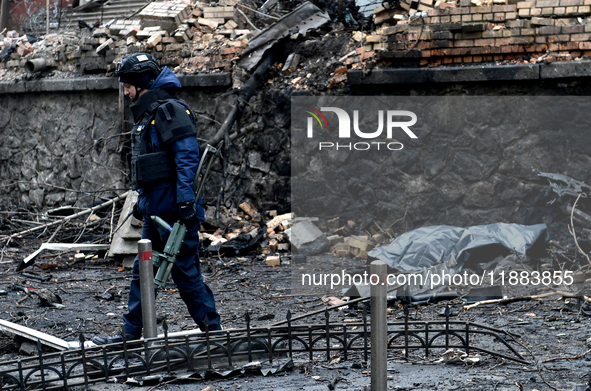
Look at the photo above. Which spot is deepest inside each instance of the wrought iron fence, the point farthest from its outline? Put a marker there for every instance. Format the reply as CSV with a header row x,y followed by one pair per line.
x,y
218,349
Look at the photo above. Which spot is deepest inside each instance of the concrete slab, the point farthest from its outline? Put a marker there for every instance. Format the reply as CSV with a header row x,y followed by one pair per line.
x,y
120,246
565,69
485,73
445,74
307,238
63,85
107,83
125,239
388,76
102,83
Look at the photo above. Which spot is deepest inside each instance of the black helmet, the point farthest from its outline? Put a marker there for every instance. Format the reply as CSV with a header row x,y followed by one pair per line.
x,y
138,63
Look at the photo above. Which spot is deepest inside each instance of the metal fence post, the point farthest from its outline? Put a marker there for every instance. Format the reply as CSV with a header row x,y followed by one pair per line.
x,y
379,326
147,288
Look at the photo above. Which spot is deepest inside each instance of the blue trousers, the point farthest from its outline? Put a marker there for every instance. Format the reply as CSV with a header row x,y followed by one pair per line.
x,y
186,274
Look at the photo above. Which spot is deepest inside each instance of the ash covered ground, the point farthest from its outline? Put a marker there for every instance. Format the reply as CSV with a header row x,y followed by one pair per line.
x,y
554,332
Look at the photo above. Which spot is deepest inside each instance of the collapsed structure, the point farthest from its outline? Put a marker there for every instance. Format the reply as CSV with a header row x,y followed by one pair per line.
x,y
202,41
176,33
478,31
200,38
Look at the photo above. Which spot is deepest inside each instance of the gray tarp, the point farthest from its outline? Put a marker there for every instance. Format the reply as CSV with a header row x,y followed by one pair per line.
x,y
421,248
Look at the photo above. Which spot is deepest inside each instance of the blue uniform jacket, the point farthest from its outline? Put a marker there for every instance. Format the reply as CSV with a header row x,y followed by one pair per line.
x,y
163,199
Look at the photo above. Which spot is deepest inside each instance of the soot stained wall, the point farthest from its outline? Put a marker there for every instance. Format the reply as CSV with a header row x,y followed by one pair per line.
x,y
467,167
59,148
66,148
56,147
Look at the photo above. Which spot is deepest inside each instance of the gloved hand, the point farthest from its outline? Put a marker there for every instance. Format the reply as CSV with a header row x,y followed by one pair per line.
x,y
137,213
187,213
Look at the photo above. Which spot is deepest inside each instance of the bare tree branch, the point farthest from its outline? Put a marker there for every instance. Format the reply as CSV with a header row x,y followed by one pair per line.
x,y
571,230
67,218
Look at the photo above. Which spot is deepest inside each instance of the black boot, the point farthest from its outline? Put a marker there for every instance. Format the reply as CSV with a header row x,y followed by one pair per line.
x,y
117,338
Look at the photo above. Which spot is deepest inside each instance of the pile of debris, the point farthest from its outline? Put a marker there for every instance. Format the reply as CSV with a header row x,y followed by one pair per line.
x,y
313,235
229,232
193,38
244,230
240,231
450,32
202,38
232,232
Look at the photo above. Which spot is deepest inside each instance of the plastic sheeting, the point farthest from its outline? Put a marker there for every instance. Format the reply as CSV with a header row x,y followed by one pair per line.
x,y
421,248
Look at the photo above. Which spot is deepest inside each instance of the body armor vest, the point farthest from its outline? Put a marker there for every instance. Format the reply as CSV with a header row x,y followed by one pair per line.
x,y
173,120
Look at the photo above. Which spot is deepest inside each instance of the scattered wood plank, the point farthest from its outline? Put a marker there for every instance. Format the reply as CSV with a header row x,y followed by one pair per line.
x,y
61,247
517,299
579,215
360,243
67,218
276,221
273,260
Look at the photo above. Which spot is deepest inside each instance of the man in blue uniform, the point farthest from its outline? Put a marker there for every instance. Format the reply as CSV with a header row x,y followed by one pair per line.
x,y
165,157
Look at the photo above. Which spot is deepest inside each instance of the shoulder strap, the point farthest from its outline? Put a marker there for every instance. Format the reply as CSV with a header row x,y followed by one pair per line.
x,y
174,120
182,102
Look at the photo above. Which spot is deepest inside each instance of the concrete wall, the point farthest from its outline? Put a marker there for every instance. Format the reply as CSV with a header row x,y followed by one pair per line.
x,y
57,147
476,160
67,147
65,142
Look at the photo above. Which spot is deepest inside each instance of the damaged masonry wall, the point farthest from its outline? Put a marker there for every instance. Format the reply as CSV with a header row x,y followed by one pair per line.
x,y
67,147
197,37
477,31
457,177
192,38
475,160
